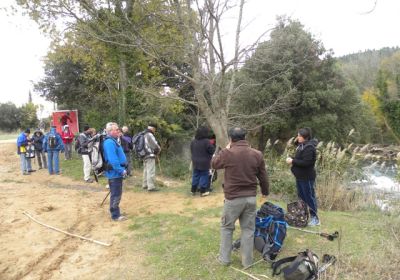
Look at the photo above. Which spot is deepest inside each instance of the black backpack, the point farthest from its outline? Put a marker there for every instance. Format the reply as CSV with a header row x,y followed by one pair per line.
x,y
297,214
270,230
304,266
139,145
77,144
52,140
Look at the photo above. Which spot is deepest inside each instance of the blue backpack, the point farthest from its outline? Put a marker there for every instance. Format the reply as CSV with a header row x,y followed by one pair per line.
x,y
270,230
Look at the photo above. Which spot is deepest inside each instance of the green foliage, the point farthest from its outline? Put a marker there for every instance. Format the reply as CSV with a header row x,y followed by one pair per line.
x,y
28,117
9,117
295,82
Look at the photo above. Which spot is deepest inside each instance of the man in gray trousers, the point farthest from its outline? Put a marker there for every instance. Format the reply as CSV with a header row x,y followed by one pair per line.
x,y
243,166
149,162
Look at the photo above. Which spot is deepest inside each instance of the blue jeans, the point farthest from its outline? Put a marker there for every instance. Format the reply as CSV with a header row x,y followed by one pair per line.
x,y
306,191
53,158
115,196
24,163
200,179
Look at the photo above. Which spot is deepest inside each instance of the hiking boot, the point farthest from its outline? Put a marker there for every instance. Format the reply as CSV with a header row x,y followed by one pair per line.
x,y
153,190
32,170
90,180
314,222
120,219
205,194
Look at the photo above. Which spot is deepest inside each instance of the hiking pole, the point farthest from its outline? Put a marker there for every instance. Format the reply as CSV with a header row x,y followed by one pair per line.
x,y
327,261
159,165
105,198
328,236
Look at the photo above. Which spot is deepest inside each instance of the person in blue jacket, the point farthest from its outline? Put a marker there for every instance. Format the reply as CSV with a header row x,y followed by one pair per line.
x,y
52,145
22,143
115,172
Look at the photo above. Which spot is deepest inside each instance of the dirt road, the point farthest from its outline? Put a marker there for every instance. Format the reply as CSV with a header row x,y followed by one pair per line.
x,y
31,251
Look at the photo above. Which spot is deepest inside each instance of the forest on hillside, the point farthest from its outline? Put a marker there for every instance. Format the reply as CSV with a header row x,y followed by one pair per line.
x,y
136,62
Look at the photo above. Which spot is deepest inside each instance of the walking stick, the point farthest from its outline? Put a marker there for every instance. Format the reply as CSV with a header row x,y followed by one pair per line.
x,y
328,236
105,198
159,165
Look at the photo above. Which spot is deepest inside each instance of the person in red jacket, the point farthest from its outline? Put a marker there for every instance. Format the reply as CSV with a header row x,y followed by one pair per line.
x,y
67,138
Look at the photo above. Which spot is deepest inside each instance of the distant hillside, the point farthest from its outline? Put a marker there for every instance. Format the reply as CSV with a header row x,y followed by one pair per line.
x,y
362,67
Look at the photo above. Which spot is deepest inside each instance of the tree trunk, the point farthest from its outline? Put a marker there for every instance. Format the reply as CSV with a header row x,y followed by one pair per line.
x,y
261,139
122,90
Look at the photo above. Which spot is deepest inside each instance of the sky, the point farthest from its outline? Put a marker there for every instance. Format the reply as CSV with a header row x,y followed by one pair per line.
x,y
346,26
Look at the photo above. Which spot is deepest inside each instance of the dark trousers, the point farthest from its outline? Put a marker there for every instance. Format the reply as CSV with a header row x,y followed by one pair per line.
x,y
306,191
200,180
115,196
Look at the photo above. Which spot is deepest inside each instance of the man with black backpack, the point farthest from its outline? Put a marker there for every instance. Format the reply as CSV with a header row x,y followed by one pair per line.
x,y
115,159
52,145
149,161
244,168
82,148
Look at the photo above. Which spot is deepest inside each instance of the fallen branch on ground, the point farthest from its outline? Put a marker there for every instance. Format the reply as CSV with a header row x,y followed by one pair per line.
x,y
395,236
65,232
248,274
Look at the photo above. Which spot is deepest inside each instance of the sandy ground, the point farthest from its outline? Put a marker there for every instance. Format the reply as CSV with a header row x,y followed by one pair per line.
x,y
32,251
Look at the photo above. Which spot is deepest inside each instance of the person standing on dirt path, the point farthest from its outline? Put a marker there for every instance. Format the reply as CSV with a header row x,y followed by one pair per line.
x,y
116,161
149,162
83,149
127,146
37,140
22,142
201,150
243,166
53,145
67,138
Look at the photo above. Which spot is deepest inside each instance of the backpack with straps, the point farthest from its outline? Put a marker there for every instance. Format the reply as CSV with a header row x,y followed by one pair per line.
x,y
52,140
270,230
96,154
139,145
297,214
304,266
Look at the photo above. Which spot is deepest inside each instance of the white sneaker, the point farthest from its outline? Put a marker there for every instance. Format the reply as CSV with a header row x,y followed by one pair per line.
x,y
314,222
205,194
121,218
107,186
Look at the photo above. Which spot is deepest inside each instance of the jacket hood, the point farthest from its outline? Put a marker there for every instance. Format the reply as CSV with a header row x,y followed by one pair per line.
x,y
38,131
312,143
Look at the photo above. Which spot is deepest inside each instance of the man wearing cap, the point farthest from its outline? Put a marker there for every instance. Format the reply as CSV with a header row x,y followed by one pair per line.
x,y
67,137
84,139
149,162
22,143
244,169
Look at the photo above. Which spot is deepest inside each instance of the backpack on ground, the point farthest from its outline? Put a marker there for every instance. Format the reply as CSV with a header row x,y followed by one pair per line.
x,y
297,214
52,140
139,146
270,231
304,266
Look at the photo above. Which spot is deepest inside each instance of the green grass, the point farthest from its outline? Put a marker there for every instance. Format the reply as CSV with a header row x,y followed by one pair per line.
x,y
9,136
185,246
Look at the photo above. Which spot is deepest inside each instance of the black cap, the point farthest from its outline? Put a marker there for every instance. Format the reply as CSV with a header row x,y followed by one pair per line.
x,y
153,125
86,127
27,130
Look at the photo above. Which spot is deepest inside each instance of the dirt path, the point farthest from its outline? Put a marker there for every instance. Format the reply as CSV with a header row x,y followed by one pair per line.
x,y
31,251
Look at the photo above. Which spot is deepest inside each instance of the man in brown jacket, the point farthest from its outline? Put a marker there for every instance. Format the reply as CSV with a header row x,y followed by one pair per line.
x,y
243,166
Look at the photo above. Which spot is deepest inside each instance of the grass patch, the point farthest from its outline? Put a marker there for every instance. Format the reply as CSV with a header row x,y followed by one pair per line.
x,y
9,136
184,247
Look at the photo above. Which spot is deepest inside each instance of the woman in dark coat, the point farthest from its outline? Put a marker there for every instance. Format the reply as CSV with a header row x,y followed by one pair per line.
x,y
37,140
202,151
303,168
